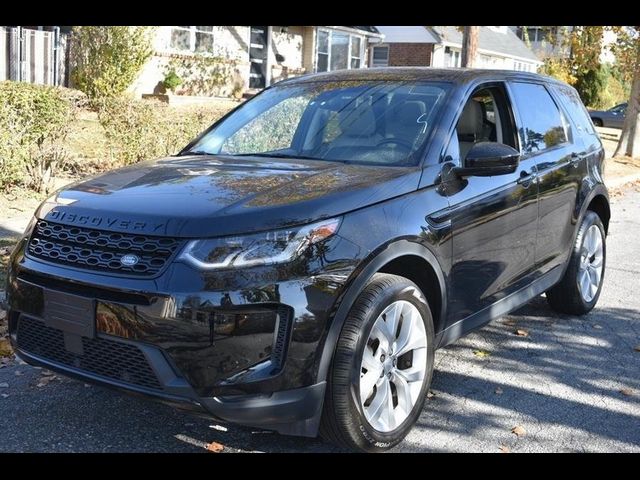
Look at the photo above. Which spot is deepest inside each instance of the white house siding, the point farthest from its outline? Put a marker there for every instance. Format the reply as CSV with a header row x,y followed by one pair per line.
x,y
290,44
488,60
228,41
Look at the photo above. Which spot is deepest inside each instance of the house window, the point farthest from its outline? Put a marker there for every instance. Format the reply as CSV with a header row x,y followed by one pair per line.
x,y
356,52
380,56
337,50
196,39
452,57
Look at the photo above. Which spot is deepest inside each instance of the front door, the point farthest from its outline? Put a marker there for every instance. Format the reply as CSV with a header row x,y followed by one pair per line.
x,y
493,219
258,52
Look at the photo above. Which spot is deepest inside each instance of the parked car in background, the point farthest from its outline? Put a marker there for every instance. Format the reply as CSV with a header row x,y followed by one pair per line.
x,y
614,117
296,266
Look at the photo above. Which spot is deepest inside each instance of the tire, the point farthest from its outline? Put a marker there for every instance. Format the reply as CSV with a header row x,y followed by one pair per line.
x,y
344,421
567,296
597,122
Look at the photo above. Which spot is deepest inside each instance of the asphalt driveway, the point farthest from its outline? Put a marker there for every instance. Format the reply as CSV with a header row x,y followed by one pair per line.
x,y
534,381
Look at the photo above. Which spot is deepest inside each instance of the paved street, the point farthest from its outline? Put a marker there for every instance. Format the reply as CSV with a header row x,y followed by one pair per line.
x,y
569,384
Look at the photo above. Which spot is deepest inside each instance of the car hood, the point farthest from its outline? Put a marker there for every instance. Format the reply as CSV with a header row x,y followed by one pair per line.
x,y
196,196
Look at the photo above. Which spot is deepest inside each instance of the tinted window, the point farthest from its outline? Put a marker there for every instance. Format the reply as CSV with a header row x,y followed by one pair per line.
x,y
542,123
575,108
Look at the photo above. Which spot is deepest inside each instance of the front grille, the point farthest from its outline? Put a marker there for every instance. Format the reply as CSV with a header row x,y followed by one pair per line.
x,y
106,358
100,250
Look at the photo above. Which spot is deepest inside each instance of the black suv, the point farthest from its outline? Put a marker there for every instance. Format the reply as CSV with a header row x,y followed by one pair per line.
x,y
296,266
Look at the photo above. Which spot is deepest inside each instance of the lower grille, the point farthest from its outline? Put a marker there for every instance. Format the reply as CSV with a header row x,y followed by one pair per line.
x,y
281,343
113,360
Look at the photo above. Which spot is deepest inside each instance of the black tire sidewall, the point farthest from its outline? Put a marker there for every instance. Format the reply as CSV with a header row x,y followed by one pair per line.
x,y
369,438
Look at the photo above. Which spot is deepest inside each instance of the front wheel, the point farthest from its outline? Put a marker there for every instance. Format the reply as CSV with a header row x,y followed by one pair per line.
x,y
382,367
579,290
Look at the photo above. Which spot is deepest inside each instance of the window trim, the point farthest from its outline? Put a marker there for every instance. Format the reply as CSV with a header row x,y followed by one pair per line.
x,y
193,30
373,49
330,31
516,107
473,88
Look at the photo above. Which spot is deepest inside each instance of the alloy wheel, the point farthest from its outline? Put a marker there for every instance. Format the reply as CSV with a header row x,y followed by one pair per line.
x,y
591,263
393,367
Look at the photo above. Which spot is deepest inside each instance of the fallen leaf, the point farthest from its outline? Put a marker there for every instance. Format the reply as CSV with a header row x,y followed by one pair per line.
x,y
47,373
597,327
4,385
522,333
5,348
481,353
220,428
4,395
499,391
504,449
637,348
519,430
215,447
627,391
430,394
510,322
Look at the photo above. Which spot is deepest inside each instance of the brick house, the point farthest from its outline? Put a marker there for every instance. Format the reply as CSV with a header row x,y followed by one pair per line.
x,y
254,56
440,46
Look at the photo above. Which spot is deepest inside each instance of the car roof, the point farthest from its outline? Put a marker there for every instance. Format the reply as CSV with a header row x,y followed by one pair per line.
x,y
455,75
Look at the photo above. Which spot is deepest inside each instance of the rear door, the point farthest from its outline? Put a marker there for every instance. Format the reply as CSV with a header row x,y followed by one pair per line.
x,y
558,154
493,219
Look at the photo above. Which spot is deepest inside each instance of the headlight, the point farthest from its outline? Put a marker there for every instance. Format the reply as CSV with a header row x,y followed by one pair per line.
x,y
265,248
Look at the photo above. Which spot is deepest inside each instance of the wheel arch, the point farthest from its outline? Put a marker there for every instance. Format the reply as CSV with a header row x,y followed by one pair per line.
x,y
392,259
599,203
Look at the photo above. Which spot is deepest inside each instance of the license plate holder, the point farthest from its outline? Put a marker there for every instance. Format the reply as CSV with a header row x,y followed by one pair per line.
x,y
72,314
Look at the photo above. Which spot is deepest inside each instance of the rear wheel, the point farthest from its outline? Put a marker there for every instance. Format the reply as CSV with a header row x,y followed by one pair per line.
x,y
597,122
382,367
579,290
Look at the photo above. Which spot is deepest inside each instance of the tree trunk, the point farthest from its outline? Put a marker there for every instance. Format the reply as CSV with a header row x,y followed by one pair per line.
x,y
629,143
469,46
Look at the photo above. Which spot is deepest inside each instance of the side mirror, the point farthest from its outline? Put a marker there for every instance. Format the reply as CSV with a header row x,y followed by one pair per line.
x,y
489,158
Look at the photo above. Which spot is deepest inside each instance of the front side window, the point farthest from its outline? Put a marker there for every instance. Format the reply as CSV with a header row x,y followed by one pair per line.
x,y
486,117
195,39
350,121
337,50
543,126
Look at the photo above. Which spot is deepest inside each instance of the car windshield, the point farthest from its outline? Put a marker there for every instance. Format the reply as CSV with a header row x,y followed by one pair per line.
x,y
348,121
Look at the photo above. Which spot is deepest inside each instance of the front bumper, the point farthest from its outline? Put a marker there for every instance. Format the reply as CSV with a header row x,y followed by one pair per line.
x,y
244,347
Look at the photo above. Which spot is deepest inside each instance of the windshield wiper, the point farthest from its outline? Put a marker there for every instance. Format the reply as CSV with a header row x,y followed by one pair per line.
x,y
195,152
285,155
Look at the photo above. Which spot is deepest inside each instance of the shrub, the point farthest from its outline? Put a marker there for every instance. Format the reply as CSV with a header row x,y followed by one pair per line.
x,y
34,122
107,59
590,84
142,129
171,80
201,74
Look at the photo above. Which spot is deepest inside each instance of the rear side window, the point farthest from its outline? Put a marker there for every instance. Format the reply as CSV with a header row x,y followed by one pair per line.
x,y
575,108
542,122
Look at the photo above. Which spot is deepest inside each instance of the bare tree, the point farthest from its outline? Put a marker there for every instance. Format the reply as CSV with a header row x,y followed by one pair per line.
x,y
629,143
469,45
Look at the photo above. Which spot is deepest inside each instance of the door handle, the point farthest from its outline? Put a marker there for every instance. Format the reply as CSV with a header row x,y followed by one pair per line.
x,y
526,178
575,159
